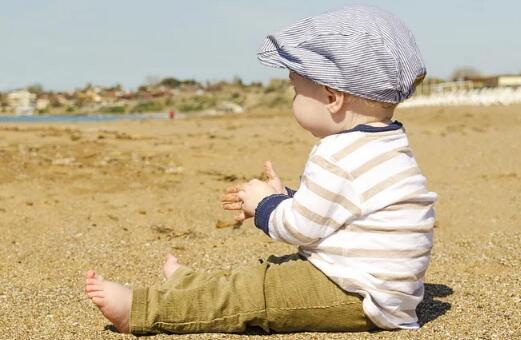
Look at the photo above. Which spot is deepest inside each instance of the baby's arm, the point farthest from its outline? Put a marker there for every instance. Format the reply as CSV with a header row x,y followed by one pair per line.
x,y
325,201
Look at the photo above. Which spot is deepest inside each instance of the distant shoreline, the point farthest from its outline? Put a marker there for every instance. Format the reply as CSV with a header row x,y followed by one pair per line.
x,y
104,117
78,118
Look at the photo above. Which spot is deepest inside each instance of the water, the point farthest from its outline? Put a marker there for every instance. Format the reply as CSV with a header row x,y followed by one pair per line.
x,y
81,118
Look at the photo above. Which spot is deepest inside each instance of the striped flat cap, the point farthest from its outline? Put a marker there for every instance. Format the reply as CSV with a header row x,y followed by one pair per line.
x,y
361,50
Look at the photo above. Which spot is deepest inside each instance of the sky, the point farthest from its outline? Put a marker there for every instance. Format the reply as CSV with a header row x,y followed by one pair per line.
x,y
64,44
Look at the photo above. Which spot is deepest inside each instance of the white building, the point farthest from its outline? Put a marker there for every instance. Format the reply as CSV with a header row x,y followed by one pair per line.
x,y
509,80
21,102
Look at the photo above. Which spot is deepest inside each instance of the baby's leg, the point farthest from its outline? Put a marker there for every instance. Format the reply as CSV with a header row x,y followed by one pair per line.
x,y
197,302
285,294
115,300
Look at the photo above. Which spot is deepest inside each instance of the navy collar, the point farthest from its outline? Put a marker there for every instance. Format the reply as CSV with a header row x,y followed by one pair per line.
x,y
396,125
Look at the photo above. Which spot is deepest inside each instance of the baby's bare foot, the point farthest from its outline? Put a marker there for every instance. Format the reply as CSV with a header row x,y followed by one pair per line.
x,y
113,300
170,266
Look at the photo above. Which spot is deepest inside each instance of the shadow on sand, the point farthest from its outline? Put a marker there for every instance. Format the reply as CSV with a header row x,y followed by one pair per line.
x,y
430,308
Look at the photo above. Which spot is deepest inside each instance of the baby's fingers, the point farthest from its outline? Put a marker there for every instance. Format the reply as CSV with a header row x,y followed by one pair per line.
x,y
234,188
232,206
229,198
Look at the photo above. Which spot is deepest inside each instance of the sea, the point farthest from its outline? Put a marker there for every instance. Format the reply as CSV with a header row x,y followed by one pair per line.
x,y
81,118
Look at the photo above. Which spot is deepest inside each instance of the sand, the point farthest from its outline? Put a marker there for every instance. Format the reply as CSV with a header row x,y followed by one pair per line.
x,y
118,197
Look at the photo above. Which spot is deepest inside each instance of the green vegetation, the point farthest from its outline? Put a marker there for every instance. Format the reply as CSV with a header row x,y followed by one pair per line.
x,y
113,109
175,83
197,103
147,106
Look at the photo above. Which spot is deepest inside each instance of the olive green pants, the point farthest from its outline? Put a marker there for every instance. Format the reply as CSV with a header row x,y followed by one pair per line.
x,y
282,294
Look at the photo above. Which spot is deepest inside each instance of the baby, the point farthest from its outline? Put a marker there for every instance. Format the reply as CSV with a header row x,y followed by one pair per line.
x,y
362,217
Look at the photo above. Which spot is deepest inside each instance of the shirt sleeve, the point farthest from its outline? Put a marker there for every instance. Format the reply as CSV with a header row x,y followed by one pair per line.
x,y
325,201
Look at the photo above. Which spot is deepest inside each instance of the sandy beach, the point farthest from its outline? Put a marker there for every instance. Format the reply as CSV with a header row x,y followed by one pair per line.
x,y
119,196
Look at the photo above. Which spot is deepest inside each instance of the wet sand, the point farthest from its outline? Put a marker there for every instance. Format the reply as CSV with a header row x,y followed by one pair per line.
x,y
119,196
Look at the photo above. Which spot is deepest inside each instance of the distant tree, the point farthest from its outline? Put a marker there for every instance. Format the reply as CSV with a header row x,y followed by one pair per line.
x,y
190,82
3,99
116,87
35,88
463,73
237,81
170,82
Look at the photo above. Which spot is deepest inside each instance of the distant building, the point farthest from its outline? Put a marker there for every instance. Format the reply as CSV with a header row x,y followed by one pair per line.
x,y
434,86
21,102
42,103
510,81
496,81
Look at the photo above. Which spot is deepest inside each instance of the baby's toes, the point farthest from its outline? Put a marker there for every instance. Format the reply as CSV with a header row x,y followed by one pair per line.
x,y
93,288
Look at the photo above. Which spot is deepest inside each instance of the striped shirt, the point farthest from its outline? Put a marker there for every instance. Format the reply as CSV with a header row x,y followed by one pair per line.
x,y
364,217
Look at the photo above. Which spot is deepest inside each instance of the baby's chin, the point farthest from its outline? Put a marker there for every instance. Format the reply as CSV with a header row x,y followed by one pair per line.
x,y
321,133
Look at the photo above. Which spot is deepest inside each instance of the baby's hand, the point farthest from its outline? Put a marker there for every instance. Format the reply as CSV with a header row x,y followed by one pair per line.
x,y
252,193
232,201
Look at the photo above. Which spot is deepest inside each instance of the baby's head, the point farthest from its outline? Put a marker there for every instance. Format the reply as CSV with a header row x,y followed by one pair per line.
x,y
348,66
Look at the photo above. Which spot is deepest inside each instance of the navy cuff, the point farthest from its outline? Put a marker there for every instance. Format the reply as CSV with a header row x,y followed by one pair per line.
x,y
264,210
291,192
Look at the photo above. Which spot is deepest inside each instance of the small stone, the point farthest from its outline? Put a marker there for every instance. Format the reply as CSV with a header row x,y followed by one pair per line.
x,y
64,161
174,170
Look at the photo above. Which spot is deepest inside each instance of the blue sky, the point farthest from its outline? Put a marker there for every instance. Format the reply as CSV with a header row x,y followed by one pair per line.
x,y
63,44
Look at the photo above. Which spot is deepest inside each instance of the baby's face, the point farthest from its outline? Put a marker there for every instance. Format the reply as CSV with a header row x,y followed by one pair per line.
x,y
309,105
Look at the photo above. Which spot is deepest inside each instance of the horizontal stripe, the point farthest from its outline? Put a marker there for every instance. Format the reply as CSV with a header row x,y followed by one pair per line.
x,y
293,232
331,196
330,167
314,217
401,277
390,229
374,162
390,182
418,205
347,283
346,151
365,139
377,253
415,195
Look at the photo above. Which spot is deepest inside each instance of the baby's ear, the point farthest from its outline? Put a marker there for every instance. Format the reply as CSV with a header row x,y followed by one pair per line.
x,y
335,99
